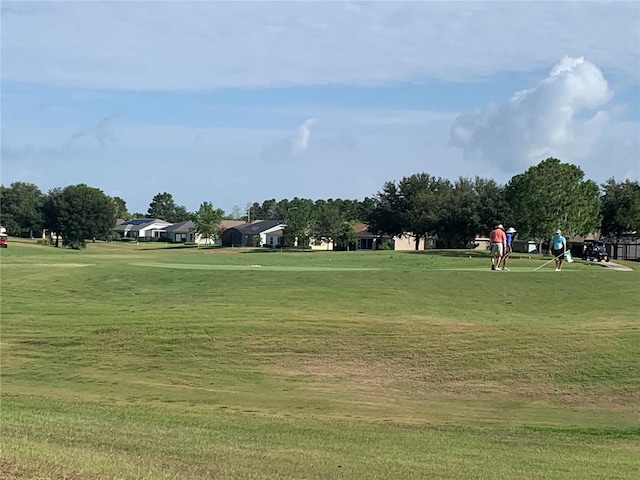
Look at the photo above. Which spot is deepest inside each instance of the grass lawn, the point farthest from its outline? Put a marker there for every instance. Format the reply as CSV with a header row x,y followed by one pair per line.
x,y
151,362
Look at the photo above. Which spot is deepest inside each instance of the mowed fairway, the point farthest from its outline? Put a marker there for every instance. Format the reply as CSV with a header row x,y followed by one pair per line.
x,y
125,362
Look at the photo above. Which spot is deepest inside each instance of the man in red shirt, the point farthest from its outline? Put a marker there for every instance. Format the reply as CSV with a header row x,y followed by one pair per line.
x,y
498,244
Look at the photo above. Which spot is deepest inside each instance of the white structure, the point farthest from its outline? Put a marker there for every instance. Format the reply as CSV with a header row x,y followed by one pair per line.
x,y
143,228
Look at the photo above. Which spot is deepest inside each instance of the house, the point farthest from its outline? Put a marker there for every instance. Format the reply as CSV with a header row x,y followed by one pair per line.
x,y
142,228
259,233
321,245
183,232
372,241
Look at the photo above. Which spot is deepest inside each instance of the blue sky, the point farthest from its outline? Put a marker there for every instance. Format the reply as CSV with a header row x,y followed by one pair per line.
x,y
236,102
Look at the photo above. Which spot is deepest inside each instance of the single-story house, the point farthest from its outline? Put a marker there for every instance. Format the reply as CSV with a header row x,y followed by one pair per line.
x,y
259,233
143,228
185,232
182,232
321,245
372,241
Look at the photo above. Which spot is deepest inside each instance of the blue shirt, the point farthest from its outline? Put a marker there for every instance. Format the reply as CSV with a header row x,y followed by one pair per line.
x,y
558,242
509,238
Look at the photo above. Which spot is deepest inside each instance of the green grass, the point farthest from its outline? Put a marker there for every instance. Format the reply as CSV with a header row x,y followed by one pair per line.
x,y
154,362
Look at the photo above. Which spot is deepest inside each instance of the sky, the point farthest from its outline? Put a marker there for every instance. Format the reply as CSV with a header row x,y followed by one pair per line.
x,y
240,102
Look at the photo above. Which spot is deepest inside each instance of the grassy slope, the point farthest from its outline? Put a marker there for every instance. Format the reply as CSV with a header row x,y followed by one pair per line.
x,y
413,370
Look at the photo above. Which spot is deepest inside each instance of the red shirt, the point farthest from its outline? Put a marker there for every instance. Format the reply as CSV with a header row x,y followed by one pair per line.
x,y
498,236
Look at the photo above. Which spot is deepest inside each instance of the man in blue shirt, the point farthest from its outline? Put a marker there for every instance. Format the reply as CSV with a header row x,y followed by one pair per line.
x,y
511,232
558,248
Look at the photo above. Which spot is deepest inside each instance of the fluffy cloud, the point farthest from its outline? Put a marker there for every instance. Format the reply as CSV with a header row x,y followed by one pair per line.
x,y
562,116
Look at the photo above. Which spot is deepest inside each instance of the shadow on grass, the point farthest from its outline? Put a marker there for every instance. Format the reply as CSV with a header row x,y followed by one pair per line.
x,y
471,253
169,246
280,250
452,253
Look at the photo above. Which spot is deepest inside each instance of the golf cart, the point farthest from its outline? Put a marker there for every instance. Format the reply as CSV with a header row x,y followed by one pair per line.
x,y
3,240
594,250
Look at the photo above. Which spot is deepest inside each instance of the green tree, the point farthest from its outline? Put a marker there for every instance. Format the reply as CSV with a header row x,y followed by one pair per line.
x,y
327,224
388,214
346,236
553,195
121,209
460,220
163,206
492,206
365,208
416,204
299,215
85,212
21,208
620,208
207,221
52,207
254,212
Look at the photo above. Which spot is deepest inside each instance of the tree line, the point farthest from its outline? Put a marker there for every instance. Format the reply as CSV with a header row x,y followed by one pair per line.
x,y
547,196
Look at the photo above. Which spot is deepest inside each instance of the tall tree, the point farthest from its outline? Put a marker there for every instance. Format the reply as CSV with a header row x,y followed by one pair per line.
x,y
365,207
553,195
424,198
164,207
460,220
388,214
620,208
121,209
346,235
492,206
52,208
207,221
328,223
299,215
414,205
21,208
85,212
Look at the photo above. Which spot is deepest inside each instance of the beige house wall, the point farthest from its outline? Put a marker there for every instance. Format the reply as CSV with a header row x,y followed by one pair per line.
x,y
407,242
322,245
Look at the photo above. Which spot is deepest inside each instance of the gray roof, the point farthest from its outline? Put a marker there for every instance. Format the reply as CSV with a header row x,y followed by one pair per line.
x,y
181,227
136,224
259,226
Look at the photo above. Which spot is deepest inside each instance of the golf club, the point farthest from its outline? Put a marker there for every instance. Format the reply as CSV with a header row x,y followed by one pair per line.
x,y
567,254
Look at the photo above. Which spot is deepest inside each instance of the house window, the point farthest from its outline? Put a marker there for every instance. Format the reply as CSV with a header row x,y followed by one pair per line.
x,y
366,244
270,240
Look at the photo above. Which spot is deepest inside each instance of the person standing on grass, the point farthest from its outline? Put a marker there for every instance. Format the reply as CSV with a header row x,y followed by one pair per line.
x,y
508,247
498,241
558,249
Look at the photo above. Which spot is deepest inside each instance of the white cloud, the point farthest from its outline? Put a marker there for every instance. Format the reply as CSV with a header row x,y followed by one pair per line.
x,y
291,147
301,140
205,45
564,116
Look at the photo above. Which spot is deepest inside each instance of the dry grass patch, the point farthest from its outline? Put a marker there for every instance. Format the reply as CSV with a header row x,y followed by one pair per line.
x,y
435,359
